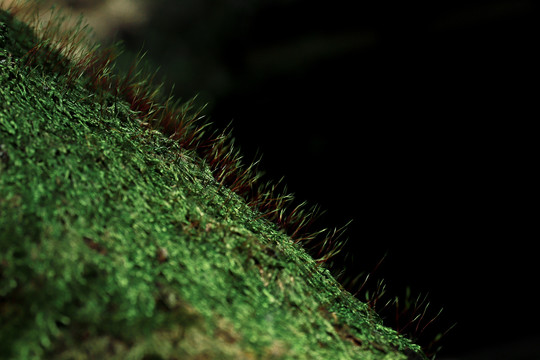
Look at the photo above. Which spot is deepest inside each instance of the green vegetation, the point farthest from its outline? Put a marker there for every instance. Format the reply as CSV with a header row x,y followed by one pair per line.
x,y
118,242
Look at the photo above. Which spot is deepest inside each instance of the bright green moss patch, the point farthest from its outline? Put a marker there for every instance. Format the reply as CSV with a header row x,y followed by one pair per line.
x,y
115,243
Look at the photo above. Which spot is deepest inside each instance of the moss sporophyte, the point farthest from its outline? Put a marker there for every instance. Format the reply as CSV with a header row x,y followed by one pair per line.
x,y
129,229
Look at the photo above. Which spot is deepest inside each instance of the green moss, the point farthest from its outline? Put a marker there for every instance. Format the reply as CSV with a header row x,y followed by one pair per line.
x,y
116,243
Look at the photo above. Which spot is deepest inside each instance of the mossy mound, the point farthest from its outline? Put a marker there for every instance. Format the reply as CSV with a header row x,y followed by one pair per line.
x,y
117,243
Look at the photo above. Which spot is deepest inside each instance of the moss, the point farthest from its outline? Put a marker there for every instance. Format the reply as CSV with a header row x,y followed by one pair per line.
x,y
116,242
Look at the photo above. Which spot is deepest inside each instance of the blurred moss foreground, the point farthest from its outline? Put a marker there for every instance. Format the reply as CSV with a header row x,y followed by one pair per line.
x,y
117,244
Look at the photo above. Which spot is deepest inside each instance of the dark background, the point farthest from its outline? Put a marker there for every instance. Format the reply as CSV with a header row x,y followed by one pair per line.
x,y
412,119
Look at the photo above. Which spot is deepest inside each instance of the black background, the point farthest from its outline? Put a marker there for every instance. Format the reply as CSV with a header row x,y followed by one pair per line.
x,y
422,138
412,119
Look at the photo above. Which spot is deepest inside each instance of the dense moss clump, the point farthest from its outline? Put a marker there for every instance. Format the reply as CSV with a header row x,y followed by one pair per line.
x,y
119,242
